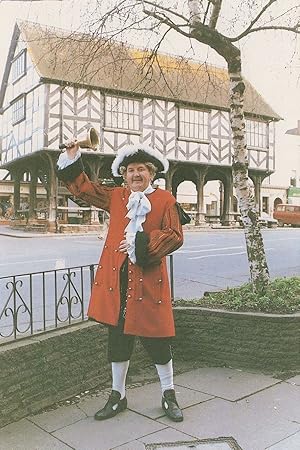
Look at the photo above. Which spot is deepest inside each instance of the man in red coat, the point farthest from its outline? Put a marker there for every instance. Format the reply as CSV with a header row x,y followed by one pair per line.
x,y
131,292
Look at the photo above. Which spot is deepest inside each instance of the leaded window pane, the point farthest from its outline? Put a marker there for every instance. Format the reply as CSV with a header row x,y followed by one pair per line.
x,y
256,133
18,110
18,66
193,124
122,113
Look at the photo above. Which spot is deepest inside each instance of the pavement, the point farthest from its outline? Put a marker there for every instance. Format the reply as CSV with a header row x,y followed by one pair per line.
x,y
224,409
6,230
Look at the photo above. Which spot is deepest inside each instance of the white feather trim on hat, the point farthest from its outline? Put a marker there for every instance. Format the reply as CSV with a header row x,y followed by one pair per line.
x,y
131,150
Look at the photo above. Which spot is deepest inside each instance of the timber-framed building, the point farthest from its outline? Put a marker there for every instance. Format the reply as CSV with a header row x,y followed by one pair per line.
x,y
56,84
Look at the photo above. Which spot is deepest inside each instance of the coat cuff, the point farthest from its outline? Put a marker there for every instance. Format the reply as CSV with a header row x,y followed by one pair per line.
x,y
141,248
71,172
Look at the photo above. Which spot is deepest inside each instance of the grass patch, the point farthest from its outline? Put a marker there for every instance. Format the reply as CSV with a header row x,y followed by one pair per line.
x,y
282,297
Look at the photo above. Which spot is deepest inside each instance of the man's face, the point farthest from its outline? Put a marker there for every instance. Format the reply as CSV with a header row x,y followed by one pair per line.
x,y
137,176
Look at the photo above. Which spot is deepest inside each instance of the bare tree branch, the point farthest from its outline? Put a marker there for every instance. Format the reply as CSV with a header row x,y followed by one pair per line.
x,y
295,29
169,11
206,13
163,19
253,22
215,13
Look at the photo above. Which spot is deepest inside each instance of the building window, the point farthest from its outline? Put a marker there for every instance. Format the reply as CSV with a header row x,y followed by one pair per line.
x,y
18,110
256,134
122,113
19,66
193,124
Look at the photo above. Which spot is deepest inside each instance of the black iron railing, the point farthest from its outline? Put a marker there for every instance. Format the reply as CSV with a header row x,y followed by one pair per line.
x,y
35,302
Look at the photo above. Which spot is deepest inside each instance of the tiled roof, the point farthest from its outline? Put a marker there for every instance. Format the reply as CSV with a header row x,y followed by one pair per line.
x,y
84,60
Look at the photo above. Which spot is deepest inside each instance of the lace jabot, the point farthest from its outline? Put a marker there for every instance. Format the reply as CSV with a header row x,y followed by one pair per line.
x,y
138,206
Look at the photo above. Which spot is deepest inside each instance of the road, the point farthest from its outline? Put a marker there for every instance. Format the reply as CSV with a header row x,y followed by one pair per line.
x,y
208,260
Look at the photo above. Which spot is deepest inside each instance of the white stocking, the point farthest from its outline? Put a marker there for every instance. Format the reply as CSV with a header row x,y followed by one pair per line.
x,y
165,373
119,372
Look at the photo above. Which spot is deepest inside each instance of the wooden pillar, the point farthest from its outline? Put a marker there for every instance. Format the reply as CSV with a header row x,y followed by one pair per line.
x,y
169,181
257,180
52,195
227,216
17,184
169,178
200,213
32,194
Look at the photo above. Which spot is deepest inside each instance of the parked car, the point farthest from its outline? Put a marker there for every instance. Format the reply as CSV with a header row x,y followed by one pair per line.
x,y
288,214
268,221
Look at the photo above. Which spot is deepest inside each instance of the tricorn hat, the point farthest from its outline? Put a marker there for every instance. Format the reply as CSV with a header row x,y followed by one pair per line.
x,y
138,153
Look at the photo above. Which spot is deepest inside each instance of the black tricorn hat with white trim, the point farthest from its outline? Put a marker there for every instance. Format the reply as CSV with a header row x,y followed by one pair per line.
x,y
138,153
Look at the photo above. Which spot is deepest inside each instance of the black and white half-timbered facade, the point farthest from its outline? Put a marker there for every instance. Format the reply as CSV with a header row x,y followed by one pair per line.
x,y
57,84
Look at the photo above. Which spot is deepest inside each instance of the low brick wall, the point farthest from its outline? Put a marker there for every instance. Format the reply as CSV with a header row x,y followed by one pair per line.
x,y
39,371
268,343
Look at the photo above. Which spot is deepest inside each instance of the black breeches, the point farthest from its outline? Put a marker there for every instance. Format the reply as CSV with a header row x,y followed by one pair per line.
x,y
120,345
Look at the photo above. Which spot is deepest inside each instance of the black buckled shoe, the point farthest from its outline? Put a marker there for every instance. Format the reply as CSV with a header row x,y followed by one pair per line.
x,y
113,406
170,406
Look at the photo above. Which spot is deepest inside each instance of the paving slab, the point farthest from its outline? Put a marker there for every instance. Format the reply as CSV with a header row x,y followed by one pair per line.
x,y
252,429
281,400
89,434
294,380
230,384
166,435
90,405
58,418
24,435
146,399
290,443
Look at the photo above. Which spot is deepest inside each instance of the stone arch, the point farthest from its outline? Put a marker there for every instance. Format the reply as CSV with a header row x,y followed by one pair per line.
x,y
277,202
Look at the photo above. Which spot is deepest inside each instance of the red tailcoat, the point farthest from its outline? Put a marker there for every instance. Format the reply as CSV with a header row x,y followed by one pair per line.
x,y
149,309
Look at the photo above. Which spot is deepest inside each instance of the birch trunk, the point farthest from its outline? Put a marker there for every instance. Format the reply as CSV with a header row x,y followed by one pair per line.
x,y
255,248
259,272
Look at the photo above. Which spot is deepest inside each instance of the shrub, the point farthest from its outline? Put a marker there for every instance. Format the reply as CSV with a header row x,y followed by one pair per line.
x,y
282,296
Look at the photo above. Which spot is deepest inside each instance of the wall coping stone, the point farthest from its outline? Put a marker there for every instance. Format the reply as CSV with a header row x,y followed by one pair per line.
x,y
238,313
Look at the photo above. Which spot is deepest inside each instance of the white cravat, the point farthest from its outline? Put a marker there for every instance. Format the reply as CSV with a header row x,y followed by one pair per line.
x,y
138,206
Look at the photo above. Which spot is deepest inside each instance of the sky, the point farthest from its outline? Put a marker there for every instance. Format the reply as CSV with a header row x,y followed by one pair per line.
x,y
271,62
